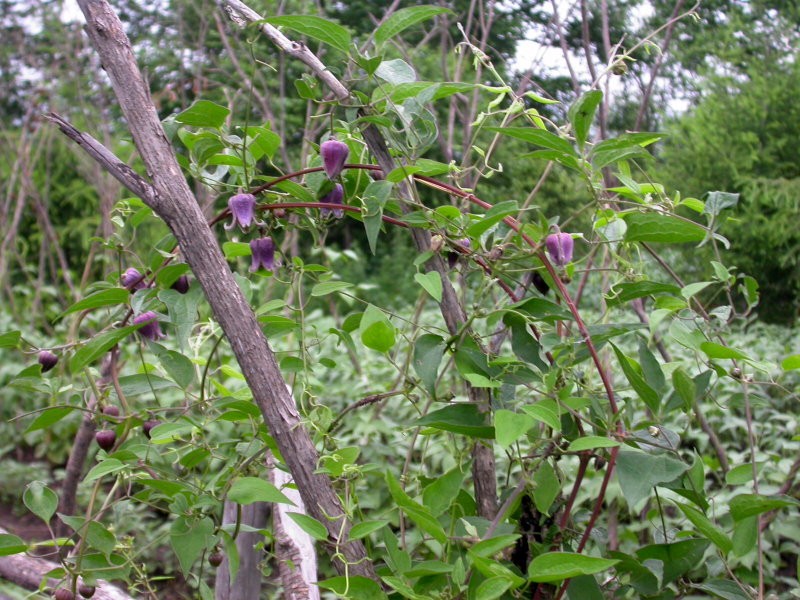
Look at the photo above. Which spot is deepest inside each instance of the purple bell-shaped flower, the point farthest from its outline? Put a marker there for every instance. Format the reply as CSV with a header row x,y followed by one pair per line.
x,y
263,251
559,247
181,284
452,257
151,330
335,196
132,280
334,154
243,211
48,360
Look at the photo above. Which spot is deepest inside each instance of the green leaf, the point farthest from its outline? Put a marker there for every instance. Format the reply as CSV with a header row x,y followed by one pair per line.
x,y
685,386
558,566
316,28
543,310
110,465
422,166
11,544
462,418
510,426
523,343
310,525
247,490
493,216
591,442
546,412
236,249
428,352
677,558
584,587
547,487
403,19
40,500
633,373
661,228
414,510
178,366
375,197
396,71
440,494
723,588
100,538
745,535
204,113
10,339
639,472
714,350
363,529
539,137
98,346
750,505
790,363
329,287
48,417
706,527
493,587
489,547
108,297
190,538
719,201
377,332
431,282
624,147
625,292
739,475
581,114
693,289
354,587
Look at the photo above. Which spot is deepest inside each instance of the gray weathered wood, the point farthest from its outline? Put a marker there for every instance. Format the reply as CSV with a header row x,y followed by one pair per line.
x,y
174,203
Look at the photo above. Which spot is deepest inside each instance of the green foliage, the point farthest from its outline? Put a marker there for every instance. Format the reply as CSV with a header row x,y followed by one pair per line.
x,y
605,390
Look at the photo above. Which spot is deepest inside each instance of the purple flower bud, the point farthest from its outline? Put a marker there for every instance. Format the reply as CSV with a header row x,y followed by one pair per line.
x,y
243,211
335,196
334,154
48,360
132,280
181,284
151,330
559,247
452,257
263,251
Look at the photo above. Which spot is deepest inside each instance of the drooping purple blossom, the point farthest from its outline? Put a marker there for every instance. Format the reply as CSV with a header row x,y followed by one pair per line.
x,y
452,257
335,196
132,280
181,284
559,247
48,360
334,154
263,251
243,211
151,330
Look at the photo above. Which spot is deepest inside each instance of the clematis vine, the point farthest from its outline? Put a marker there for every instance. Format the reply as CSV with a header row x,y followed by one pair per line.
x,y
334,154
559,247
151,330
335,196
243,211
263,251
